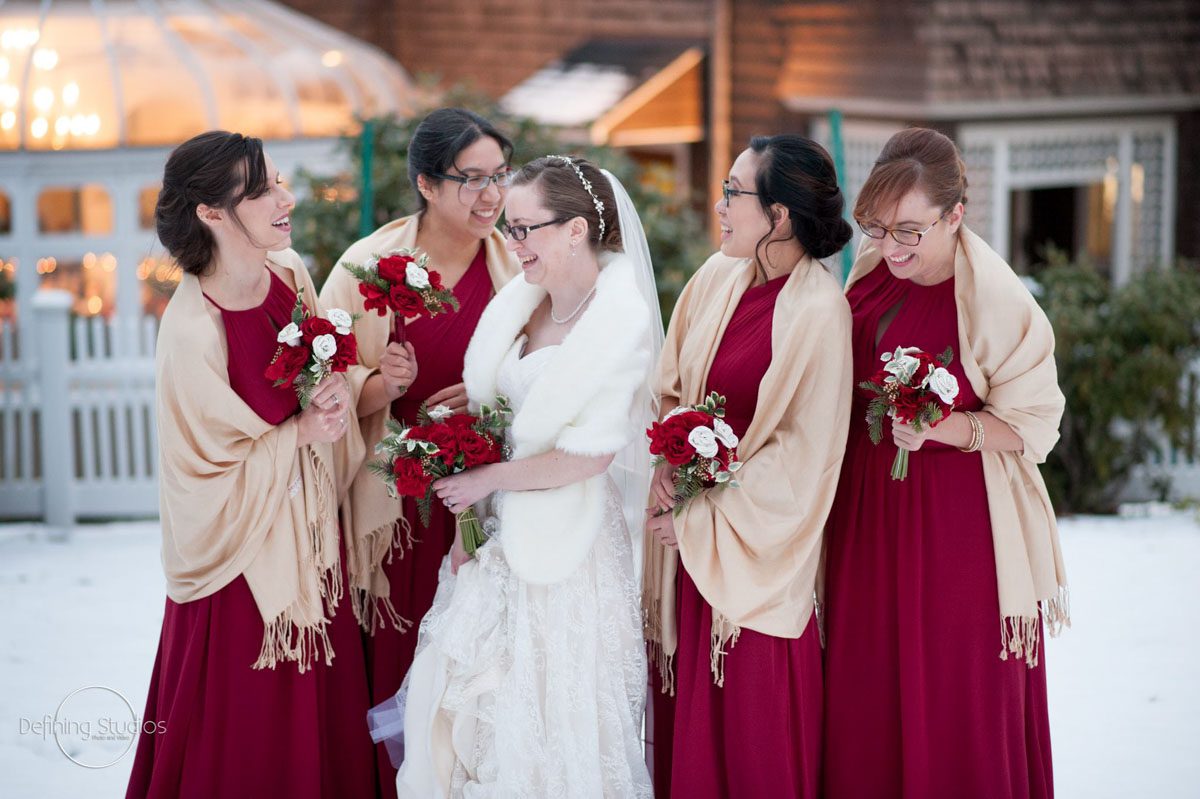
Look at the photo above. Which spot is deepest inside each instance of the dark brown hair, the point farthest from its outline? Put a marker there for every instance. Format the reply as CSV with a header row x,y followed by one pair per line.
x,y
217,169
440,137
564,194
916,158
797,173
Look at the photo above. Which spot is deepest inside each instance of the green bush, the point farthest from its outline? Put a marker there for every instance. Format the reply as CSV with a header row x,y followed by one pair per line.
x,y
327,221
1124,362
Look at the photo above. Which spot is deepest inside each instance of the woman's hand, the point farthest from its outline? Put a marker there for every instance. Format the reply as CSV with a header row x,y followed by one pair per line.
x,y
398,368
662,527
662,488
325,425
458,554
332,394
906,437
453,397
460,491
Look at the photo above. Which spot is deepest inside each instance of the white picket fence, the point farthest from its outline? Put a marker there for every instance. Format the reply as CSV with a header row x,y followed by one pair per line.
x,y
77,433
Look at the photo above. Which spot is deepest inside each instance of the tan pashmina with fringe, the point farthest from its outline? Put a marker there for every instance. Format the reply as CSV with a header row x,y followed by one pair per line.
x,y
237,497
375,519
754,551
1006,346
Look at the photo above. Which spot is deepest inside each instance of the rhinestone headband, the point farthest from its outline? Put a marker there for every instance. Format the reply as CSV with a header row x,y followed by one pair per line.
x,y
587,184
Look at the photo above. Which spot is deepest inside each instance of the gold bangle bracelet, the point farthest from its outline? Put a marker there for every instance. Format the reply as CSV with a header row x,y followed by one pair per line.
x,y
976,433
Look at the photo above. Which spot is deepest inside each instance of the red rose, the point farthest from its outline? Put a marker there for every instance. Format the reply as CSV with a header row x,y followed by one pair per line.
x,y
287,365
670,438
440,434
435,281
405,301
462,421
410,476
477,450
375,298
315,326
347,353
394,268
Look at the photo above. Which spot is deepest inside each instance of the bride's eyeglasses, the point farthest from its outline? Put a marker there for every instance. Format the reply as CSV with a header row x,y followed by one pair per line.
x,y
519,232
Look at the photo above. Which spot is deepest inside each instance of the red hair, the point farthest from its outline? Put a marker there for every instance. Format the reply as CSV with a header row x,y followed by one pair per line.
x,y
915,158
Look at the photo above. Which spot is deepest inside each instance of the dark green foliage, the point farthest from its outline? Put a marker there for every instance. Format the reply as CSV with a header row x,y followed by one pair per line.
x,y
1124,363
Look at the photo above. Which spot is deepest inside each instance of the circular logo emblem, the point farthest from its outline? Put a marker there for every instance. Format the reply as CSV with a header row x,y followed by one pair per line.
x,y
95,726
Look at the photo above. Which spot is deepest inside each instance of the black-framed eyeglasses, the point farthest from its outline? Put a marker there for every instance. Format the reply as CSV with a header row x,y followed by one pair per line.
x,y
728,191
502,179
909,238
519,232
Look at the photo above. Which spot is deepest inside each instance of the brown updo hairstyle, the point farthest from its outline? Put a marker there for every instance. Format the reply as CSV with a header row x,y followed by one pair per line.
x,y
564,194
797,173
217,169
915,158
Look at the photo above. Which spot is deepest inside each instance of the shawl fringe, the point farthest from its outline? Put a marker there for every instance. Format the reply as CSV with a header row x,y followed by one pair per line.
x,y
376,612
284,640
1020,635
724,632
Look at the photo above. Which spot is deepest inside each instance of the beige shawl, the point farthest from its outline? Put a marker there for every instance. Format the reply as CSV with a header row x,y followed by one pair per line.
x,y
1006,346
375,518
237,496
754,551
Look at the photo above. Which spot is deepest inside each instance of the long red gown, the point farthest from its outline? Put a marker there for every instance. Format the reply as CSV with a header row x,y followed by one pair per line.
x,y
918,704
235,731
440,343
760,734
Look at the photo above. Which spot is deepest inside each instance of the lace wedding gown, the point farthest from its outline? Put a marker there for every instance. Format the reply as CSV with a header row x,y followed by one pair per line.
x,y
522,690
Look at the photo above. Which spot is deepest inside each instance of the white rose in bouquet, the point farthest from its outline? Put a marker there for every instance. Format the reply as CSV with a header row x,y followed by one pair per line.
x,y
324,346
416,277
704,440
340,319
290,335
944,384
724,433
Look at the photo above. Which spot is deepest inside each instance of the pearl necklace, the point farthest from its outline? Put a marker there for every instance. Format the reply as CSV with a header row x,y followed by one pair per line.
x,y
575,312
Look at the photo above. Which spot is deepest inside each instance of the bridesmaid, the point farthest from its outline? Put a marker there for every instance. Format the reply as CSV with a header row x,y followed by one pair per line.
x,y
922,698
244,688
458,163
765,324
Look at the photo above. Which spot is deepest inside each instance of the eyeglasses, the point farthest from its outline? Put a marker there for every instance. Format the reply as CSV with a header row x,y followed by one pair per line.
x,y
909,238
519,232
727,192
502,180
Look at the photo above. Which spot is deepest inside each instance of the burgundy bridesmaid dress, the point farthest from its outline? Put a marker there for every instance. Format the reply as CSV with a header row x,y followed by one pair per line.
x,y
231,730
760,734
918,703
440,343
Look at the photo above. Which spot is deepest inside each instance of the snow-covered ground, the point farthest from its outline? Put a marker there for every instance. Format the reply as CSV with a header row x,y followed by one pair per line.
x,y
1124,682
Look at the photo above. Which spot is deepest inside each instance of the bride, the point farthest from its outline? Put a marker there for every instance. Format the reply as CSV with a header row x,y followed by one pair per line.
x,y
530,674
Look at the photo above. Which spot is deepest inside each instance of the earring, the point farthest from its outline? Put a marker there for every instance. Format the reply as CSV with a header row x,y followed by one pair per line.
x,y
573,253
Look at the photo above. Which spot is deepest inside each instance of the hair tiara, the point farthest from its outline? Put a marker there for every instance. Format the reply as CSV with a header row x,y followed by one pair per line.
x,y
587,184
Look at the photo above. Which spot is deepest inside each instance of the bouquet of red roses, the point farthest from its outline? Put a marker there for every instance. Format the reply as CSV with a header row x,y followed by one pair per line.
x,y
699,444
402,283
440,444
913,388
311,348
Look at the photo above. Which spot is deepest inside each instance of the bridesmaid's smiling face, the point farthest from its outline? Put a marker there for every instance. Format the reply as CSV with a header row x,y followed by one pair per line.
x,y
472,212
743,222
262,221
931,259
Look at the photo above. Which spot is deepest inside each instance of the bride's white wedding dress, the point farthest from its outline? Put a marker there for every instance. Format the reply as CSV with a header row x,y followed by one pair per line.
x,y
530,690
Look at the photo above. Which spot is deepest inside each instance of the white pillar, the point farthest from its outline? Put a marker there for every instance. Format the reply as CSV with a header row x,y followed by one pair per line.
x,y
51,312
